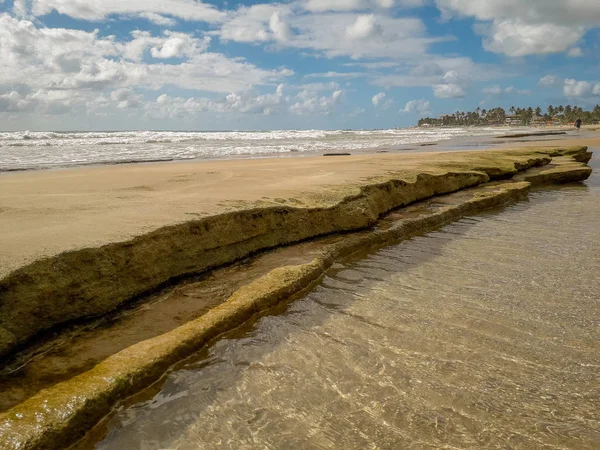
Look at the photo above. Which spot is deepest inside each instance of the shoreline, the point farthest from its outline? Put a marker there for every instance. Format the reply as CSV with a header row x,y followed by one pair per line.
x,y
64,193
351,204
442,144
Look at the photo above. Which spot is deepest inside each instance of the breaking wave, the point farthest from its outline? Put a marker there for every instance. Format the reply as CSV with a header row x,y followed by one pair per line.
x,y
27,150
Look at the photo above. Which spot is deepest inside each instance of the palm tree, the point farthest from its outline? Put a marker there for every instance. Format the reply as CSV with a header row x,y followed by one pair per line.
x,y
496,116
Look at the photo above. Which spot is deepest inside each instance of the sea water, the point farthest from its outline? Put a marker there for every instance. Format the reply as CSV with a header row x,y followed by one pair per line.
x,y
482,334
39,150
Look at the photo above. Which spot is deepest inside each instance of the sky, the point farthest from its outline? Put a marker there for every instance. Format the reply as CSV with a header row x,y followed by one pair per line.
x,y
70,65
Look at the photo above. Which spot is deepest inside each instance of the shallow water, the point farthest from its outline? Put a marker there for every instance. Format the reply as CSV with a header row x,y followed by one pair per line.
x,y
484,334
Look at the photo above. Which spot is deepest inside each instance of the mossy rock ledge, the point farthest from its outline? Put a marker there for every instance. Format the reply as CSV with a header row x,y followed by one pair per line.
x,y
91,282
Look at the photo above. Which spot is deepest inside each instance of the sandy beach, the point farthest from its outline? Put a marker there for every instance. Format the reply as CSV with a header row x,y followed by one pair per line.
x,y
44,213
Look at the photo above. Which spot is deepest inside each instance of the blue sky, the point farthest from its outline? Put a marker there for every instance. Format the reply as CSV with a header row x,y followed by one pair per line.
x,y
212,65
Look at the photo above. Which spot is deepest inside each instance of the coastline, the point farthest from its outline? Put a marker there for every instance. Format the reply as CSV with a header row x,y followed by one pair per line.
x,y
305,198
58,151
46,212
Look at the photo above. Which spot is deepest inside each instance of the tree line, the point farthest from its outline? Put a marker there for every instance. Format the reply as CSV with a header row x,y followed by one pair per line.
x,y
521,116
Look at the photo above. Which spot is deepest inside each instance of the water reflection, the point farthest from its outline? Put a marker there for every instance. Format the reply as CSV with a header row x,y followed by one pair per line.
x,y
484,334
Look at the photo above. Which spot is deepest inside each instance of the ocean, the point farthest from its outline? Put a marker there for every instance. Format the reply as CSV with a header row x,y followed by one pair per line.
x,y
28,150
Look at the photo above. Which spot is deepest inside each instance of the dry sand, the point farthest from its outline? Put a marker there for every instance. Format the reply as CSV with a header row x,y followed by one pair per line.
x,y
48,212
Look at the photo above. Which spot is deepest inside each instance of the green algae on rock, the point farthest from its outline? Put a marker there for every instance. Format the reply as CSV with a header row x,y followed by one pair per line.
x,y
91,282
94,281
54,418
61,414
562,169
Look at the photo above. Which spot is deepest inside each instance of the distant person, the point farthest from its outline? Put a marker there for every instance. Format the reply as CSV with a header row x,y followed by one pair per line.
x,y
578,124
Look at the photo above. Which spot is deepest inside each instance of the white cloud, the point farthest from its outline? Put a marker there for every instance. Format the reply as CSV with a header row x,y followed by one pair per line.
x,y
514,90
518,38
158,19
575,52
374,65
167,107
126,98
59,58
334,5
364,27
406,3
42,102
14,102
249,102
567,12
170,45
574,88
518,28
20,8
360,36
381,101
428,69
44,56
596,90
336,75
550,80
449,91
62,70
308,102
421,107
432,71
212,72
329,34
378,99
279,27
453,86
99,10
257,23
358,5
177,45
